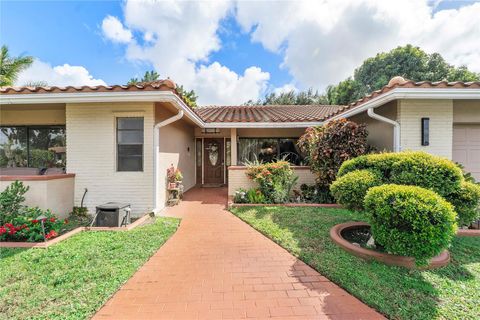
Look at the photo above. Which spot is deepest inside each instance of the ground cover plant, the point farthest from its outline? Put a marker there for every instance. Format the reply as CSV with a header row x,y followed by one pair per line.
x,y
74,278
451,292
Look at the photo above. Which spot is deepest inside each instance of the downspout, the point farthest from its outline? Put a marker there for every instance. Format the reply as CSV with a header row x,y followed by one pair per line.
x,y
396,127
156,150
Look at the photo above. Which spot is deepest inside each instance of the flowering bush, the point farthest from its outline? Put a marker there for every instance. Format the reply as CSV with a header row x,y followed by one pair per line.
x,y
240,196
28,228
275,180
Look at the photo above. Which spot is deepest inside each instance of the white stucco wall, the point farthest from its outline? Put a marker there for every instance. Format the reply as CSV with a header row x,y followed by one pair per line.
x,y
53,194
91,155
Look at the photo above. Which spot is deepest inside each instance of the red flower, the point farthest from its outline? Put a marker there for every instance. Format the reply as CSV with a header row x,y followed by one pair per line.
x,y
9,225
35,221
2,230
52,219
51,234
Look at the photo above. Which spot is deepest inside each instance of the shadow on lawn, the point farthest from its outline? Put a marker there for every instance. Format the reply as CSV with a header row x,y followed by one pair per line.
x,y
395,291
10,252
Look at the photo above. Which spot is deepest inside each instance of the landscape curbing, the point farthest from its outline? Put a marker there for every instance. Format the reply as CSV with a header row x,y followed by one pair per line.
x,y
232,204
46,244
393,260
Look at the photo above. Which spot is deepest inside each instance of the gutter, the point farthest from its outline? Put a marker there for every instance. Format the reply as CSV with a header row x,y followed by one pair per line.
x,y
396,127
156,150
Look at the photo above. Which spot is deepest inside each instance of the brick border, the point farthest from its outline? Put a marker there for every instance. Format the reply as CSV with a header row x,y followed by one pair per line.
x,y
468,232
231,204
46,244
393,260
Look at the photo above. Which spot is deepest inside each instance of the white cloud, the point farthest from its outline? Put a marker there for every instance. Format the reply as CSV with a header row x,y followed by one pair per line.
x,y
114,30
323,41
179,37
65,75
216,84
285,88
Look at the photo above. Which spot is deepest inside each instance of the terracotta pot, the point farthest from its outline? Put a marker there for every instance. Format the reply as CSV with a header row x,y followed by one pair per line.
x,y
408,262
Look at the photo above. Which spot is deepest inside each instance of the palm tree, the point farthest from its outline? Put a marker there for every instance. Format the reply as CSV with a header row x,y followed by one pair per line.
x,y
10,67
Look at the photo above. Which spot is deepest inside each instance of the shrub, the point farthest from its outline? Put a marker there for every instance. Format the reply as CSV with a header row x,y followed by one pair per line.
x,y
240,196
275,180
316,194
254,195
11,200
410,221
28,228
328,146
410,168
466,200
350,189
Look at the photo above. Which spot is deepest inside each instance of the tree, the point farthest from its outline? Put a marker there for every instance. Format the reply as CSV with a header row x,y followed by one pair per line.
x,y
149,76
291,98
10,67
409,62
189,97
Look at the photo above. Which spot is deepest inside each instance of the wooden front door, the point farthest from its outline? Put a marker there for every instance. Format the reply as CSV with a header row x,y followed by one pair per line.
x,y
213,161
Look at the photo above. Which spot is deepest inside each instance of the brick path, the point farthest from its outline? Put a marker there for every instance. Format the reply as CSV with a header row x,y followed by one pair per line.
x,y
217,267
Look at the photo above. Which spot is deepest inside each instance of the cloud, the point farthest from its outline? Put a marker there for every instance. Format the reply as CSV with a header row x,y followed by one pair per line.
x,y
285,88
65,75
178,39
216,84
114,30
323,41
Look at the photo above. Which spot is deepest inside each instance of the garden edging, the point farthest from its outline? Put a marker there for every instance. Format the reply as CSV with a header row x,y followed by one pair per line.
x,y
408,262
46,244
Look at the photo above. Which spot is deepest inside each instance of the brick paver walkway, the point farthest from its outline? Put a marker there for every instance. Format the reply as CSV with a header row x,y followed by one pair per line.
x,y
218,267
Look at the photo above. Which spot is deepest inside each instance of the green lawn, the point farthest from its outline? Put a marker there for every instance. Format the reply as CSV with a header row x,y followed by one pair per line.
x,y
73,279
452,292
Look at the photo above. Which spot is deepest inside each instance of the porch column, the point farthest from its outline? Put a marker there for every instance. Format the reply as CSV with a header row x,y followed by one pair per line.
x,y
233,139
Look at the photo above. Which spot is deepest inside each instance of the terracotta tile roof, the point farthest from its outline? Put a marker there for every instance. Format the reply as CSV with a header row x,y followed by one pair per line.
x,y
161,85
399,82
270,113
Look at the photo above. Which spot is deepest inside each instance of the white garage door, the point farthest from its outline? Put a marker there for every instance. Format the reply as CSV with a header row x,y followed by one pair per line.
x,y
466,147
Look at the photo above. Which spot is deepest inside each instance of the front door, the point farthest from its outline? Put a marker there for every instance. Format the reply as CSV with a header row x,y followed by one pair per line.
x,y
213,161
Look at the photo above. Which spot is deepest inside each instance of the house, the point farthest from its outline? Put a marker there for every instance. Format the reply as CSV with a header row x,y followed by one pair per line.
x,y
116,142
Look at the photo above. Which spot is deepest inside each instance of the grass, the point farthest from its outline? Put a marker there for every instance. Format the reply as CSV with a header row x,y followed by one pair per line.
x,y
452,292
73,279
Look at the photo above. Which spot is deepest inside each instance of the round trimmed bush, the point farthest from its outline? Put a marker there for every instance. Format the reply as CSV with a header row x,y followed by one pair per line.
x,y
416,168
350,189
410,221
466,201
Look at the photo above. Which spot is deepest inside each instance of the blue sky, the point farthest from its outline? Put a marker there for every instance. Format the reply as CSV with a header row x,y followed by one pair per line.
x,y
249,48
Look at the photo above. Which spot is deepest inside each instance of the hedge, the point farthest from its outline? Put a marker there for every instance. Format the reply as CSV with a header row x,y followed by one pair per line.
x,y
410,221
350,189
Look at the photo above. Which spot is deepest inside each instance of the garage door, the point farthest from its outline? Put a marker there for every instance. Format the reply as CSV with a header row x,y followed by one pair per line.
x,y
466,147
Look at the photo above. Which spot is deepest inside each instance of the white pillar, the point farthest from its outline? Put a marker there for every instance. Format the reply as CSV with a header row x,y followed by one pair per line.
x,y
233,141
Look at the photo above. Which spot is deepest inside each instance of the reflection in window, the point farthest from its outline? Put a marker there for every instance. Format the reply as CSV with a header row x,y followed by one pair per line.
x,y
268,150
129,144
35,147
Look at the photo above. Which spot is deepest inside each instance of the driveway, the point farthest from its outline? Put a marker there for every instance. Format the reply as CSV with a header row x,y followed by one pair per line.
x,y
218,267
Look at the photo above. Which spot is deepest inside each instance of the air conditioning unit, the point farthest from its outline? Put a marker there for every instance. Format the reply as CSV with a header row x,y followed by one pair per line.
x,y
112,214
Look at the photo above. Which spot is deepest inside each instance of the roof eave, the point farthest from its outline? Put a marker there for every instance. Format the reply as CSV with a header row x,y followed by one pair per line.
x,y
93,97
409,93
243,125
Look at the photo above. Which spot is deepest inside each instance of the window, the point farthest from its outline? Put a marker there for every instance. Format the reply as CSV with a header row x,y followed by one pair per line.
x,y
33,146
268,150
425,131
129,144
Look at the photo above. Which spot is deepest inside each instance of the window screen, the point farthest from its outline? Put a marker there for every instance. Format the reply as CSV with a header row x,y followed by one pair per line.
x,y
129,144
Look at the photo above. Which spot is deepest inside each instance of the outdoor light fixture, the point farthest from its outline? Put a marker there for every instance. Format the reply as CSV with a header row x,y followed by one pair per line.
x,y
425,131
41,218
